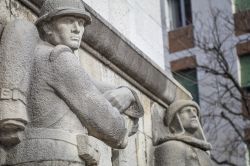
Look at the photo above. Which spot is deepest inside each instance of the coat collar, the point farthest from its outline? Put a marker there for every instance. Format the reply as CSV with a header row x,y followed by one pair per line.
x,y
202,144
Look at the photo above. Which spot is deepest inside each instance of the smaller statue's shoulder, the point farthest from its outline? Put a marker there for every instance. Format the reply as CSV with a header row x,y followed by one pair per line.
x,y
174,144
49,51
171,149
43,50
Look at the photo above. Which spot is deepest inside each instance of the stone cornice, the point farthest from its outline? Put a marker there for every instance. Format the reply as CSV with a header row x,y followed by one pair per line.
x,y
126,59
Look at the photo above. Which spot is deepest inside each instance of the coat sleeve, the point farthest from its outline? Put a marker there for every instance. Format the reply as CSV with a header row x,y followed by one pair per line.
x,y
171,153
103,86
135,110
74,86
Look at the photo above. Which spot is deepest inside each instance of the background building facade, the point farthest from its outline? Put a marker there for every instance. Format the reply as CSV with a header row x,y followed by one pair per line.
x,y
205,53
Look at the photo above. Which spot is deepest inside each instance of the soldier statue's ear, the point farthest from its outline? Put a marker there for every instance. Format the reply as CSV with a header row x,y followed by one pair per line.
x,y
47,29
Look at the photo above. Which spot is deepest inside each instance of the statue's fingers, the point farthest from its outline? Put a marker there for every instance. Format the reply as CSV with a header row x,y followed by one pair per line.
x,y
114,102
108,96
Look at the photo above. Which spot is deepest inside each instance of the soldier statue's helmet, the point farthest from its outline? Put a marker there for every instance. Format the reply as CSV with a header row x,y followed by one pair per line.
x,y
55,8
174,124
177,106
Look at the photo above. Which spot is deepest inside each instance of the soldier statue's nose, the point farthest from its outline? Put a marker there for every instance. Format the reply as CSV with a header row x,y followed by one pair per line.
x,y
76,27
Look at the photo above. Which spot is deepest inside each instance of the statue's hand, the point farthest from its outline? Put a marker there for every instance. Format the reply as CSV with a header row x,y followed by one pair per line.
x,y
127,102
120,98
13,120
10,132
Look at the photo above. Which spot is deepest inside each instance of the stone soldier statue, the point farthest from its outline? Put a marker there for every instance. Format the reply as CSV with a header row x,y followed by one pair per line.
x,y
64,104
186,144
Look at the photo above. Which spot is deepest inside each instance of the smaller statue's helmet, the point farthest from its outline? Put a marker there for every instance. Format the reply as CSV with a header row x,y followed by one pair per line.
x,y
175,127
176,106
55,8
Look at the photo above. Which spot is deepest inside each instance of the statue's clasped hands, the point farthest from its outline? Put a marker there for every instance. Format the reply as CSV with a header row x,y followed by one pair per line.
x,y
120,98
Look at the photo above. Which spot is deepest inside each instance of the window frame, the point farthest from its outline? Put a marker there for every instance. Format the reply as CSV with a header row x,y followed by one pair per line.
x,y
181,13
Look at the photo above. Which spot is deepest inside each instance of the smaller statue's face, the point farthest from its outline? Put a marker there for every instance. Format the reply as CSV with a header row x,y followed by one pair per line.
x,y
189,118
67,30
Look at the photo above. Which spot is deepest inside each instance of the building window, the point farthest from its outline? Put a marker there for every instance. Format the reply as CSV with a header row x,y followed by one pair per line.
x,y
245,71
184,71
242,5
180,13
243,51
188,78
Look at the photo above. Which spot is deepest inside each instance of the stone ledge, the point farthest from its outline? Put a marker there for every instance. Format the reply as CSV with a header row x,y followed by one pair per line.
x,y
104,38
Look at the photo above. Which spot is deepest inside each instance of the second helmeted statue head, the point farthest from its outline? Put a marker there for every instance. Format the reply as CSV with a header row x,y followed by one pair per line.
x,y
182,118
63,22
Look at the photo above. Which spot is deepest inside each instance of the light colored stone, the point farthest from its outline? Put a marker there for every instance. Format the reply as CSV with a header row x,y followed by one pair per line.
x,y
86,151
141,149
149,153
65,104
147,121
12,9
2,156
128,156
185,143
104,150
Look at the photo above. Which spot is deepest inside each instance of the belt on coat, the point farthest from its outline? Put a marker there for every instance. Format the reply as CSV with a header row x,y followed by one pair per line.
x,y
43,144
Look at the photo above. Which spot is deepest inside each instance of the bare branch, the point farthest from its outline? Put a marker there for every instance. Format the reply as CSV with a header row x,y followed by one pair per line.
x,y
222,162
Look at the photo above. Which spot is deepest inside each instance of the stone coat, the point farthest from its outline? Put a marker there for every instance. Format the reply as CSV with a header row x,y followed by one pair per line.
x,y
64,96
183,151
63,104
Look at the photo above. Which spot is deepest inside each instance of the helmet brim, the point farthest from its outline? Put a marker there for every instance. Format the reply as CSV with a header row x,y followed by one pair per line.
x,y
65,12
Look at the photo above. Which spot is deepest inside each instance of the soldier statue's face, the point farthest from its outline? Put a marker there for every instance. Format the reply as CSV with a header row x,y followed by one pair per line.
x,y
189,119
67,30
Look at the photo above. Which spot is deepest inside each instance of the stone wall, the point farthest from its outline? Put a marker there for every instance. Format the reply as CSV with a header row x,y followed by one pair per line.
x,y
140,150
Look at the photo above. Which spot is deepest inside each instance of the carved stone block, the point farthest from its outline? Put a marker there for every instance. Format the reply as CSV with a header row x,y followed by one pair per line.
x,y
184,143
47,95
87,152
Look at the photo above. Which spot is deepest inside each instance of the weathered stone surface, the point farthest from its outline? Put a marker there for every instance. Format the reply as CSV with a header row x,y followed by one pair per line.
x,y
2,156
12,9
89,154
139,149
104,151
147,121
130,155
101,36
159,129
132,62
16,52
126,157
64,103
184,143
150,158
